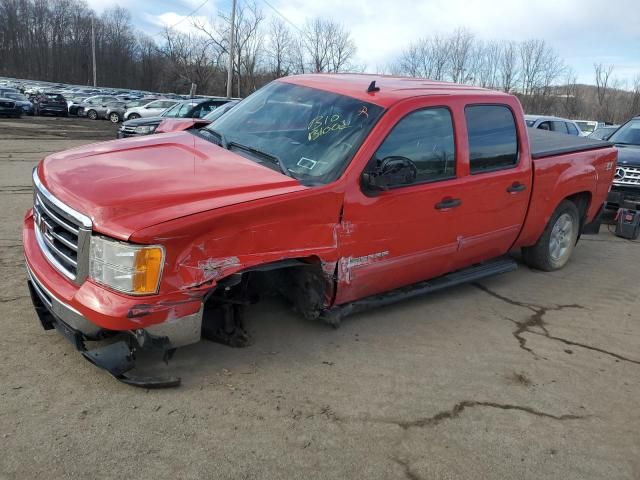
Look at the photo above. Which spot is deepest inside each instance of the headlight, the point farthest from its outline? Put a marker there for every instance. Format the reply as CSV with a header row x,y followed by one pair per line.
x,y
146,129
132,269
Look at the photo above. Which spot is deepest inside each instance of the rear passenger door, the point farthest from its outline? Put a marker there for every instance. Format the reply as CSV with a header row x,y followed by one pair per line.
x,y
495,195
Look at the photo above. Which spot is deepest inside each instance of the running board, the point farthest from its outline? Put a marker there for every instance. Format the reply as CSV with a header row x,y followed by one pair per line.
x,y
470,274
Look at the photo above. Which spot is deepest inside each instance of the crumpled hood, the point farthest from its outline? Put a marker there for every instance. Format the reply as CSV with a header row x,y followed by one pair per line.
x,y
127,185
629,155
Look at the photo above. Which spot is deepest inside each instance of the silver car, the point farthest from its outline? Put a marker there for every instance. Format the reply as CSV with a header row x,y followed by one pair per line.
x,y
152,109
553,124
95,107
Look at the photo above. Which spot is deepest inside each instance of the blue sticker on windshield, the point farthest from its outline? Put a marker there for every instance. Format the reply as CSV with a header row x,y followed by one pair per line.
x,y
307,163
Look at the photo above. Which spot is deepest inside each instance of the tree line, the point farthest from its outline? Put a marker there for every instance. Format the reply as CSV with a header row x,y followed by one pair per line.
x,y
530,69
50,40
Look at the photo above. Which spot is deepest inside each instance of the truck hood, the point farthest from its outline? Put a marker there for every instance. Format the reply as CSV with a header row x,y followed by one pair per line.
x,y
127,185
629,155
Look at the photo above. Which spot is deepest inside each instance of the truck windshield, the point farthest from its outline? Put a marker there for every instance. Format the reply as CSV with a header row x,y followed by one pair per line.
x,y
628,134
312,133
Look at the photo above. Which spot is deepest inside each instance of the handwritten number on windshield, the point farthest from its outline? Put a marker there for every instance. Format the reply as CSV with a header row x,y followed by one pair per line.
x,y
324,124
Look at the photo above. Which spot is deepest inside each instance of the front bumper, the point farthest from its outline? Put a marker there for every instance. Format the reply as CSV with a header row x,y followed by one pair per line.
x,y
91,313
52,109
618,195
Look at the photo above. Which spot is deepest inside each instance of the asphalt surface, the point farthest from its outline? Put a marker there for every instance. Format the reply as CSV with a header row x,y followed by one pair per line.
x,y
526,375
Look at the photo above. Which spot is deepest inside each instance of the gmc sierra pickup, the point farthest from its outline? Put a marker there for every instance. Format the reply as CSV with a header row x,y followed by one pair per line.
x,y
339,192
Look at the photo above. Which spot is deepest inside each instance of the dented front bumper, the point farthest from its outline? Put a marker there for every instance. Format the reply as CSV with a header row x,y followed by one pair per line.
x,y
118,358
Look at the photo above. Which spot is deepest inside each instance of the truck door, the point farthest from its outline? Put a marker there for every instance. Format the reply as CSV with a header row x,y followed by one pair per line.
x,y
495,196
407,233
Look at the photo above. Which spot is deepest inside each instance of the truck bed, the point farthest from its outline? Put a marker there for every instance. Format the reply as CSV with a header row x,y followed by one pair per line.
x,y
546,144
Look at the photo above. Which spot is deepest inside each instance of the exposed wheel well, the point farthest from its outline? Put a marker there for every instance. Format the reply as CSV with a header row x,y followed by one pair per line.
x,y
582,201
302,282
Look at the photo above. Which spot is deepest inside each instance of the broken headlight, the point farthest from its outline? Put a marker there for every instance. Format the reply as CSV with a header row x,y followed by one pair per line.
x,y
145,129
132,269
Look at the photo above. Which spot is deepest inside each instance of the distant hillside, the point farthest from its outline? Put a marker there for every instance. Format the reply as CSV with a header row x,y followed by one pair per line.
x,y
579,101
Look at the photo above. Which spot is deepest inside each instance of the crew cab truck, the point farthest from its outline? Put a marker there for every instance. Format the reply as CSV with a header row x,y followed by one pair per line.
x,y
339,192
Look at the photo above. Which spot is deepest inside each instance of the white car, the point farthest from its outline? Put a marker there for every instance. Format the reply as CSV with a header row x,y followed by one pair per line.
x,y
553,124
151,109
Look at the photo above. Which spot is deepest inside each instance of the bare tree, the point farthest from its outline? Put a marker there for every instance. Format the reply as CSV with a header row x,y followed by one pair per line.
x,y
460,48
508,66
603,88
572,100
247,41
634,104
328,46
279,48
485,67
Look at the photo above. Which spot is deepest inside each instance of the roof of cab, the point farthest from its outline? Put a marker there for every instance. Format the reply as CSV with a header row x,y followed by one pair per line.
x,y
392,88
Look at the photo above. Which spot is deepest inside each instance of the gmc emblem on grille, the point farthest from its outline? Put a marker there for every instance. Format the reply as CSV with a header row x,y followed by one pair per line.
x,y
42,225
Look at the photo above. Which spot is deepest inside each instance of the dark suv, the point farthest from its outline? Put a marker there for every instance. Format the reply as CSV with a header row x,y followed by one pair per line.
x,y
8,108
626,183
53,103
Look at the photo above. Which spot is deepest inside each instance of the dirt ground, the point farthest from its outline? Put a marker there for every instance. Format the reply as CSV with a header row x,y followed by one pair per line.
x,y
526,375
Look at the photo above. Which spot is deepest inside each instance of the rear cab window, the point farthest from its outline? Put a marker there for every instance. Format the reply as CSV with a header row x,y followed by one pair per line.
x,y
493,138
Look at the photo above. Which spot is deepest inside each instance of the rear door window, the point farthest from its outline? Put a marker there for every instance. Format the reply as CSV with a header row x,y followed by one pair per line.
x,y
493,138
572,129
560,127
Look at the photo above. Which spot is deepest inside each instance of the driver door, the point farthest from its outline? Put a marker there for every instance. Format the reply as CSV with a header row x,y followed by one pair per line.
x,y
409,232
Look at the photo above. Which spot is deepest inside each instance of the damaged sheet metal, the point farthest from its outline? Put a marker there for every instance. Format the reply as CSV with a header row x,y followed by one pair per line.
x,y
348,264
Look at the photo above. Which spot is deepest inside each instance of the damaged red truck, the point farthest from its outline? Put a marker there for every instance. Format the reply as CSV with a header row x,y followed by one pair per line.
x,y
339,192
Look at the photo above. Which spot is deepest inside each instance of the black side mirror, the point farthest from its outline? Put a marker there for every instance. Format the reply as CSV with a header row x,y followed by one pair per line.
x,y
388,173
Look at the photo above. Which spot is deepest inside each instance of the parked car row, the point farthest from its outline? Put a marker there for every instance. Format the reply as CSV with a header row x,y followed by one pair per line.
x,y
116,105
145,120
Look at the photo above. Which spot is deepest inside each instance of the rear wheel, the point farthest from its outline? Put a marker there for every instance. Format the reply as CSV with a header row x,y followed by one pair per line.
x,y
114,117
92,115
553,249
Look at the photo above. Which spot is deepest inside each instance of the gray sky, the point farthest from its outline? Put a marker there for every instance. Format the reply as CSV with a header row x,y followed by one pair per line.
x,y
581,31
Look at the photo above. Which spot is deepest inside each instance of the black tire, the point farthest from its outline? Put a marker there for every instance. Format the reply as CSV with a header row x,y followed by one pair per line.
x,y
92,115
555,246
133,116
114,117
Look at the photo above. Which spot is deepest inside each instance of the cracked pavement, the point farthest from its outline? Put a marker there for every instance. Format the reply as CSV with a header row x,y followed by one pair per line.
x,y
526,375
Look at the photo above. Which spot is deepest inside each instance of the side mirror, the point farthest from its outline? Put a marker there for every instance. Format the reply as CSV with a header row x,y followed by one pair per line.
x,y
391,172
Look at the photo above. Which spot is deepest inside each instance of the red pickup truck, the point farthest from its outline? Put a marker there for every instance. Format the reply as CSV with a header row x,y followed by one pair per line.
x,y
339,192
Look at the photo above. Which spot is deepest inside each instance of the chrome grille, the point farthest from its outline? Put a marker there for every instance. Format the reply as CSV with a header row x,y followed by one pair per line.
x,y
63,234
627,176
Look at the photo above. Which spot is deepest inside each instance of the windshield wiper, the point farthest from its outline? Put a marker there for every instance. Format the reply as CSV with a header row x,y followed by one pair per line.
x,y
270,157
222,141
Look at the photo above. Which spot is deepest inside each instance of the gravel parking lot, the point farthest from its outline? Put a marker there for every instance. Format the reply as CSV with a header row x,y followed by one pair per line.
x,y
527,375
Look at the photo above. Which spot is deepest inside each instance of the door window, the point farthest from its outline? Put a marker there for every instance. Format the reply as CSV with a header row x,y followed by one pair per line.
x,y
559,127
572,129
493,138
425,137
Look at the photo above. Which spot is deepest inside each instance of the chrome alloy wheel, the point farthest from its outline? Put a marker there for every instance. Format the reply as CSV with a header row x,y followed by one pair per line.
x,y
562,238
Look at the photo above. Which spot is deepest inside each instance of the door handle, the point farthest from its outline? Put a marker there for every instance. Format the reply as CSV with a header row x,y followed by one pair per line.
x,y
516,187
448,202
